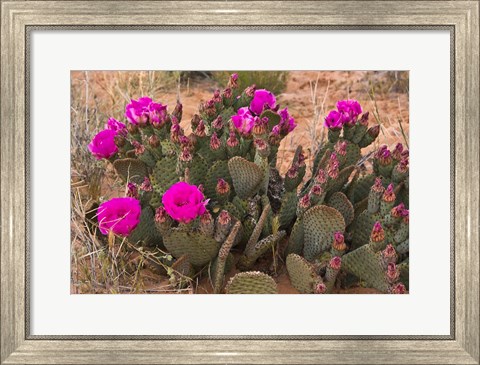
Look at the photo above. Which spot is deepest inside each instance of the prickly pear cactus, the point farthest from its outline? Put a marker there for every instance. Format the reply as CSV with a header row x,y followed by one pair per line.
x,y
251,282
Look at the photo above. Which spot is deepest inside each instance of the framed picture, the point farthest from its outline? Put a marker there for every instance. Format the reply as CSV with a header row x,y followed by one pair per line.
x,y
160,160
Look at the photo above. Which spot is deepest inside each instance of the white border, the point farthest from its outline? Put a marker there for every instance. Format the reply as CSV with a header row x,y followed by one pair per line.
x,y
425,311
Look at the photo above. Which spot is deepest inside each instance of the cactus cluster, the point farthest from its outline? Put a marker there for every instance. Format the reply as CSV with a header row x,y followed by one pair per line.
x,y
215,201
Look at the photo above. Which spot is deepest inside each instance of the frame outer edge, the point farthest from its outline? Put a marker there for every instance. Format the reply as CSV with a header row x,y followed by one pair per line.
x,y
467,177
15,350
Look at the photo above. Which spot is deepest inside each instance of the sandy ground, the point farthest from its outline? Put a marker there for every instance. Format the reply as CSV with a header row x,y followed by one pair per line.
x,y
309,95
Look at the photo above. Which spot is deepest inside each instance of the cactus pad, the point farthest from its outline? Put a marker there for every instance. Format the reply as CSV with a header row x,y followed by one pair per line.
x,y
247,177
253,252
366,265
295,242
340,202
219,170
251,282
131,169
199,248
302,274
164,174
320,224
146,231
288,208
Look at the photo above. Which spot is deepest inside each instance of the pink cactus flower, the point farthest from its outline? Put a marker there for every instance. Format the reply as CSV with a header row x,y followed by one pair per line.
x,y
137,112
262,99
119,215
116,126
350,109
244,121
334,120
103,144
184,202
287,123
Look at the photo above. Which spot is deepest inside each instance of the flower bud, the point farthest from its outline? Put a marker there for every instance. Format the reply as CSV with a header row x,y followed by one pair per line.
x,y
161,215
186,155
374,131
292,172
392,273
224,218
389,195
178,111
398,288
200,130
364,119
385,157
397,211
119,140
132,190
317,190
301,159
153,141
320,288
260,126
132,128
304,202
233,81
250,91
339,242
377,186
195,120
222,187
216,96
321,177
232,140
341,148
389,254
335,263
139,148
333,166
402,166
227,93
218,123
378,234
262,147
214,142
397,151
146,185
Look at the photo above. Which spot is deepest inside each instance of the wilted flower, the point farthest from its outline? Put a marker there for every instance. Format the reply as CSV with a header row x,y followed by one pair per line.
x,y
224,218
227,93
250,91
200,130
350,109
334,120
178,111
103,144
154,141
139,148
397,151
116,126
262,99
244,121
233,81
218,123
389,254
397,211
184,202
119,215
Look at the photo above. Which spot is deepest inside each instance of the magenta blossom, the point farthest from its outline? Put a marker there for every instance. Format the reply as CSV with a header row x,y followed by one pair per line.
x,y
287,123
116,126
261,99
184,202
157,113
103,144
137,112
244,121
334,120
350,109
119,215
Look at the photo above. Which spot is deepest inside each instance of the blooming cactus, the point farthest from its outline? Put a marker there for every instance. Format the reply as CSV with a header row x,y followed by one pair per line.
x,y
261,99
184,202
350,109
334,120
119,215
244,121
103,144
